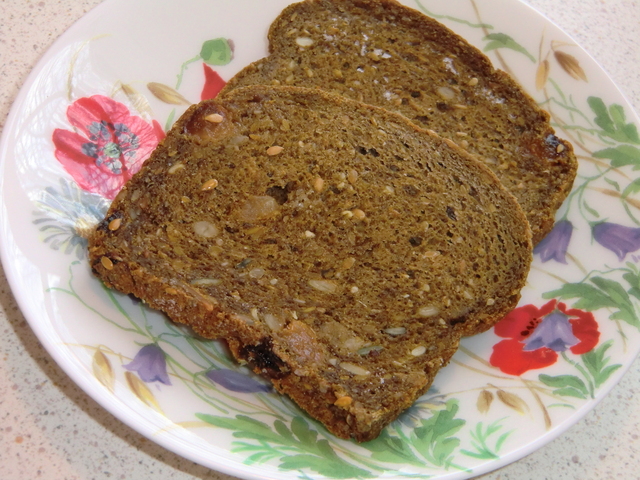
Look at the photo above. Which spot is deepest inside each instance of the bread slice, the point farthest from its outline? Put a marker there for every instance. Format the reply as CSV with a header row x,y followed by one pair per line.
x,y
339,250
389,55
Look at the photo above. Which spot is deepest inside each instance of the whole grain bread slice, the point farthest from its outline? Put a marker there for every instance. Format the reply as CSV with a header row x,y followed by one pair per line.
x,y
340,250
383,53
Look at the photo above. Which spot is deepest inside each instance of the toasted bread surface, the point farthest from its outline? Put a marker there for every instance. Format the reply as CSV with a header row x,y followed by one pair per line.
x,y
339,249
383,53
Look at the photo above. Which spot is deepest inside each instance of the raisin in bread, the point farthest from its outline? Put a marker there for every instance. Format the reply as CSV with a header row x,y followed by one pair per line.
x,y
339,250
386,54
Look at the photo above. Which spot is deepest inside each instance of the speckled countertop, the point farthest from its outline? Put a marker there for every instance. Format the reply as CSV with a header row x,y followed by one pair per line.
x,y
51,429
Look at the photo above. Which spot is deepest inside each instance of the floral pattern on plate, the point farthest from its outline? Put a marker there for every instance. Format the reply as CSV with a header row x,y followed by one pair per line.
x,y
548,361
109,149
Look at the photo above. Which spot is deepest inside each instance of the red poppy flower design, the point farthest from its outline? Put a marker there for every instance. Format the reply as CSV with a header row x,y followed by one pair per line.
x,y
534,336
213,83
108,145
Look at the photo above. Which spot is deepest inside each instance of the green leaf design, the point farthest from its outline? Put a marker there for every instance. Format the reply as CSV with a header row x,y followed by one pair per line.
x,y
596,363
283,430
244,427
297,447
620,156
300,429
621,298
631,132
603,120
617,114
612,121
502,40
216,51
480,436
613,183
590,298
632,188
565,385
590,210
633,279
391,449
569,392
263,452
614,290
329,466
434,440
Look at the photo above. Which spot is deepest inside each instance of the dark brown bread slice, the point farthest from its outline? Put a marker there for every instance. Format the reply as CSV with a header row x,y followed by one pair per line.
x,y
339,250
386,54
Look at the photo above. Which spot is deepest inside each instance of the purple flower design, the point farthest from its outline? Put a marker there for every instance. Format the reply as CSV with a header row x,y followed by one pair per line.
x,y
617,238
554,245
236,381
554,332
151,364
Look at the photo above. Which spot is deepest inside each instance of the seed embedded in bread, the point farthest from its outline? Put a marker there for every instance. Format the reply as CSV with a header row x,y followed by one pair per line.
x,y
115,224
209,185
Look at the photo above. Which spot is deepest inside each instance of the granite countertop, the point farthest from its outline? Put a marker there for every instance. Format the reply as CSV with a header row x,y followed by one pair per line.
x,y
51,429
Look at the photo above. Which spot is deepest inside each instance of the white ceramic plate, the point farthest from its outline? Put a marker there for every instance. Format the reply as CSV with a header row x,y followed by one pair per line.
x,y
132,68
